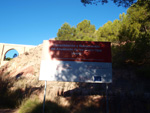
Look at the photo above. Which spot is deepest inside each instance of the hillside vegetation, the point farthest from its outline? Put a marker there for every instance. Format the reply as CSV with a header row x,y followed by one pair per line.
x,y
128,93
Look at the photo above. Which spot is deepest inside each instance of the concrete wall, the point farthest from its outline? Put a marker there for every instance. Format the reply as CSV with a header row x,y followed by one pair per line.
x,y
4,48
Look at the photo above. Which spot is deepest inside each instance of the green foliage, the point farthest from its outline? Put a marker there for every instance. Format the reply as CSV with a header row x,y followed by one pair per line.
x,y
136,52
85,27
66,32
109,32
128,31
83,32
135,22
35,106
141,49
122,54
29,105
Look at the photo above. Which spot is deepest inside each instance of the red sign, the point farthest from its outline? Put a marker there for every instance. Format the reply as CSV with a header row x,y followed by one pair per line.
x,y
80,51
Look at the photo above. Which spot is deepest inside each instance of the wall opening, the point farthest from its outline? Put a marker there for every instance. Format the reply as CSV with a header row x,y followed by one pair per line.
x,y
10,54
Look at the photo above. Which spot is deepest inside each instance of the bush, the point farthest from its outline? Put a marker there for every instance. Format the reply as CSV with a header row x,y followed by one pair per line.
x,y
142,49
122,54
28,105
35,106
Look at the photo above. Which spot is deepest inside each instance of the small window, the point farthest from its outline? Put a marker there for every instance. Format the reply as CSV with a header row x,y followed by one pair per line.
x,y
10,55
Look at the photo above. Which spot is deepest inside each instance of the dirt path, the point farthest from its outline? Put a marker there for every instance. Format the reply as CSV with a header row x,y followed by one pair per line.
x,y
8,111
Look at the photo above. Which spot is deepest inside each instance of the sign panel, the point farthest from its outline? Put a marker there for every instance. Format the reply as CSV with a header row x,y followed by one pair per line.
x,y
76,61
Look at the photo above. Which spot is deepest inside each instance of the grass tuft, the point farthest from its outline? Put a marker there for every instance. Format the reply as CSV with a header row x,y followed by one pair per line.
x,y
35,106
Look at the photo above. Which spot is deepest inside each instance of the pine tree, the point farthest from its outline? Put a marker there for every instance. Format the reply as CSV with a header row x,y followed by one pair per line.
x,y
85,31
66,32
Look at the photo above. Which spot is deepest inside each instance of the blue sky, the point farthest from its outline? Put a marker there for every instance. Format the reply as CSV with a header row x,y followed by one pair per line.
x,y
30,22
